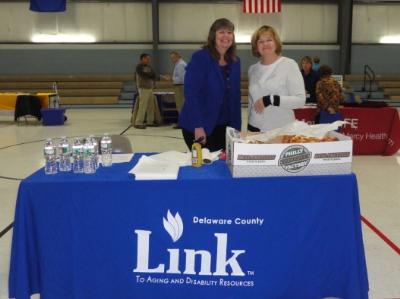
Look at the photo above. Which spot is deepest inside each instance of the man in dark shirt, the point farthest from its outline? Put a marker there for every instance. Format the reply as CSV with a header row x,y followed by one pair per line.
x,y
145,77
310,79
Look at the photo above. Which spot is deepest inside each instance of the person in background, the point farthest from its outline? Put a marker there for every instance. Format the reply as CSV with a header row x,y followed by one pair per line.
x,y
275,83
310,78
315,65
328,91
178,76
145,77
212,89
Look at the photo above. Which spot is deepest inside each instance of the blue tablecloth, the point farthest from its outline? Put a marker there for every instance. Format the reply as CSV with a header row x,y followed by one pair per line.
x,y
108,236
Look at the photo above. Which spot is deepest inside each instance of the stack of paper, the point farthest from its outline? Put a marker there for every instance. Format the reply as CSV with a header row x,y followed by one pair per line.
x,y
148,168
182,159
165,166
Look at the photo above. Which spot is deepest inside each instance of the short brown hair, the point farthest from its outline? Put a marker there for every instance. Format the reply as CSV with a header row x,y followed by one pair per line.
x,y
230,55
175,53
306,59
324,71
256,36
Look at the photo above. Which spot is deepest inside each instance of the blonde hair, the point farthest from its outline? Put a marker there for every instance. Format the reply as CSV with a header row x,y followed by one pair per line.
x,y
256,36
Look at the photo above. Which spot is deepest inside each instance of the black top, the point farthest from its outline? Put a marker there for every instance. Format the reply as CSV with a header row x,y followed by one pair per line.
x,y
310,82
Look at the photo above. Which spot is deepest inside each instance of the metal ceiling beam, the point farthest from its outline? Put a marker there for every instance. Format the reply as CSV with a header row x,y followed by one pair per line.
x,y
344,35
156,33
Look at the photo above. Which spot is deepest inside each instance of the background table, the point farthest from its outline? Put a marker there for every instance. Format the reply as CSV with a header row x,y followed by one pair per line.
x,y
375,131
9,99
167,105
76,236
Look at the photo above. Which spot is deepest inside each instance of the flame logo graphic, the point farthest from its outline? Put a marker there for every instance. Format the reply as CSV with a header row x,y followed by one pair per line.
x,y
173,225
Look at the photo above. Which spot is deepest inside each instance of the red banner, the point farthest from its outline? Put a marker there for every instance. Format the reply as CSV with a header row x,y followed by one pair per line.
x,y
375,131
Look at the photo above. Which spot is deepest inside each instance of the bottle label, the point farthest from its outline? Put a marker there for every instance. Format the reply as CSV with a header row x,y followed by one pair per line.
x,y
106,146
89,150
77,150
49,150
196,155
65,149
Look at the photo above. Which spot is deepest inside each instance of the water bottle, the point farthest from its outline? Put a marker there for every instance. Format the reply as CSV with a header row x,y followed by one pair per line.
x,y
89,156
64,154
96,150
106,150
77,154
50,157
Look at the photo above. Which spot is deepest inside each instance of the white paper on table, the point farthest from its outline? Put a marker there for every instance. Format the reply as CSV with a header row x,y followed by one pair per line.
x,y
182,159
296,128
212,156
118,158
122,158
152,169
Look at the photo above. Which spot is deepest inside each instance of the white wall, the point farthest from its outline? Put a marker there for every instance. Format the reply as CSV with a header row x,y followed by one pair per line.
x,y
179,22
372,22
119,23
297,23
189,22
106,22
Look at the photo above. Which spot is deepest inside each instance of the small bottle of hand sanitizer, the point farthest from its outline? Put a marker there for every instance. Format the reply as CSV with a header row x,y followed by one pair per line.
x,y
196,154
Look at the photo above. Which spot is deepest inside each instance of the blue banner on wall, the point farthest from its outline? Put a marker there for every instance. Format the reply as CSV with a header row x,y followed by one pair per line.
x,y
48,5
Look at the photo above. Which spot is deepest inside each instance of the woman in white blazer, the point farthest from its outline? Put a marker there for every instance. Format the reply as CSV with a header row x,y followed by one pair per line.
x,y
276,86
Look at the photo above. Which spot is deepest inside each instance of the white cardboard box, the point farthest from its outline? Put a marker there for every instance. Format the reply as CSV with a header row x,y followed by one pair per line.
x,y
288,159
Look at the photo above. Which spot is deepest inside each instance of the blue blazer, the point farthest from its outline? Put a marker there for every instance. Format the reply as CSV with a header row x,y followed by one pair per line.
x,y
204,92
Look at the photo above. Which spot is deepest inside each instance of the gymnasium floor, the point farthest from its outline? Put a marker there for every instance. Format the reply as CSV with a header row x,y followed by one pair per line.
x,y
378,181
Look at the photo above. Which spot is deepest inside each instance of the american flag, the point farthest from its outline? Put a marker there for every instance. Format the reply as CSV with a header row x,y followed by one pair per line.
x,y
262,6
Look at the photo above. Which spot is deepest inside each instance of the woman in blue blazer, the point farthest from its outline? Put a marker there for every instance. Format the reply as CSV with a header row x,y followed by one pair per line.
x,y
212,89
